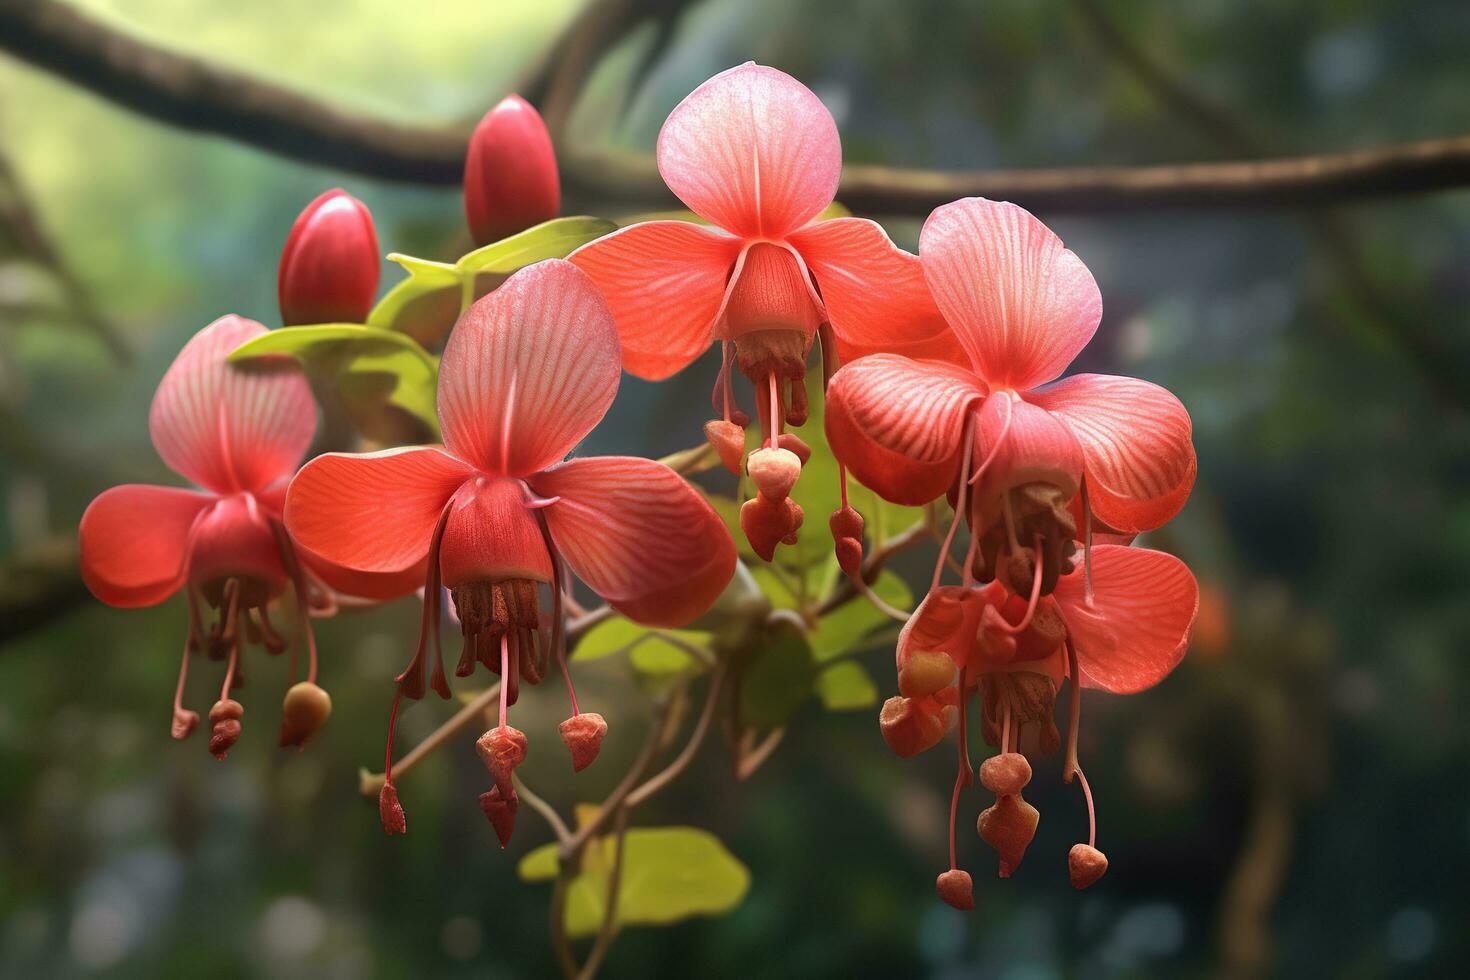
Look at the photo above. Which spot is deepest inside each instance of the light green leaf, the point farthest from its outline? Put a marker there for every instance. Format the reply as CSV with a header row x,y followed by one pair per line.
x,y
555,239
846,686
779,678
380,375
844,629
669,874
648,651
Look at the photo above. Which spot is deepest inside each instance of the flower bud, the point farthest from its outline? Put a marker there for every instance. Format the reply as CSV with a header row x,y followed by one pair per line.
x,y
1008,826
1005,774
583,734
774,472
1085,864
728,439
510,176
330,265
907,728
925,672
955,887
500,809
305,710
225,717
502,749
390,811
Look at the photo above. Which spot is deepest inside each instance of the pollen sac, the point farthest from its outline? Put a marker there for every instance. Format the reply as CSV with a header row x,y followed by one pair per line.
x,y
765,522
774,471
305,709
500,809
1008,826
795,517
502,749
1005,774
728,440
925,672
909,728
184,723
1086,864
793,443
847,534
225,717
1038,509
583,734
956,889
390,811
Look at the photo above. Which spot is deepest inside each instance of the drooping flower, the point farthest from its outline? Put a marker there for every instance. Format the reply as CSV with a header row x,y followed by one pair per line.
x,y
497,514
756,154
238,436
330,265
1121,629
997,434
510,175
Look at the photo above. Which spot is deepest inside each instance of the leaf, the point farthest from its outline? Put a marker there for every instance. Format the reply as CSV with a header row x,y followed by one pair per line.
x,y
844,629
846,686
779,678
648,652
379,375
669,874
426,304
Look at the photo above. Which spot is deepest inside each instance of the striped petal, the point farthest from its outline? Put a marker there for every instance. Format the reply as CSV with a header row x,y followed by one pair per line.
x,y
528,371
230,428
639,536
134,542
752,150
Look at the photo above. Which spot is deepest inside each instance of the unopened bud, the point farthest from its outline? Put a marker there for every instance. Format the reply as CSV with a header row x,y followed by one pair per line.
x,y
500,809
510,175
305,709
583,734
502,749
925,672
774,471
225,717
907,728
1008,826
955,887
390,811
1005,774
1086,864
330,265
728,440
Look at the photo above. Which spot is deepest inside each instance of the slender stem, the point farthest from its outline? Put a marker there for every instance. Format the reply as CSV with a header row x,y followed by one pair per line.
x,y
681,762
547,811
559,941
605,934
703,655
845,591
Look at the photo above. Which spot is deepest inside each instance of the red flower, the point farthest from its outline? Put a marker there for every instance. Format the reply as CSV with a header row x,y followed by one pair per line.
x,y
510,175
756,154
330,265
238,435
495,514
1122,631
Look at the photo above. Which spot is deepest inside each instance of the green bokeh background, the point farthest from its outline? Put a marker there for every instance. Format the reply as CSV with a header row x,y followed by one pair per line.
x,y
1313,744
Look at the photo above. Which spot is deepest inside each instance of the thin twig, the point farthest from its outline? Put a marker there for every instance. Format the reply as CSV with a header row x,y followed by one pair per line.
x,y
608,930
547,811
845,591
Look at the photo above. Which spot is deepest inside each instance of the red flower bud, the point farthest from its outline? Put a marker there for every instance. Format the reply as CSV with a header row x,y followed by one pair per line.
x,y
329,267
510,176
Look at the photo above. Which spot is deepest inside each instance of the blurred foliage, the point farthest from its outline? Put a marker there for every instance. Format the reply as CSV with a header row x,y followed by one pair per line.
x,y
1312,742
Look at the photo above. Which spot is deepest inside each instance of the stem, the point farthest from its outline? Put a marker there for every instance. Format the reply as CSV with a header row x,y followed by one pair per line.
x,y
605,934
845,591
552,818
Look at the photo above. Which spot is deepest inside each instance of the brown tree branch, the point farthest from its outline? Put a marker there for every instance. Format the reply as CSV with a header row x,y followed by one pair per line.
x,y
194,94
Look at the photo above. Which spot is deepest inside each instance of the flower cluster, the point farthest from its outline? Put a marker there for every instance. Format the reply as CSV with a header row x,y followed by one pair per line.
x,y
939,376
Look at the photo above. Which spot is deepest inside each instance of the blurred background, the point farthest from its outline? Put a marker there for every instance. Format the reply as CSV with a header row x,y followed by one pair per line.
x,y
1291,801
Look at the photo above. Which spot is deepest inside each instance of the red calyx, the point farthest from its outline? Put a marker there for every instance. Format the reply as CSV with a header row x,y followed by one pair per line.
x,y
330,265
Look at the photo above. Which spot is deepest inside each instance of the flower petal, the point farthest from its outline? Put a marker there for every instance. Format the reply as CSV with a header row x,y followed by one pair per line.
x,y
1021,303
898,424
874,291
372,512
1136,443
664,282
1136,628
134,542
639,536
528,370
752,150
230,428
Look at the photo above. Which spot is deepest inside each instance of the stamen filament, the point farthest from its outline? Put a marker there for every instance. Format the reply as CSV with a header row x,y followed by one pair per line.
x,y
962,774
959,503
1086,542
1035,596
1005,728
1072,766
773,427
504,675
1005,430
392,724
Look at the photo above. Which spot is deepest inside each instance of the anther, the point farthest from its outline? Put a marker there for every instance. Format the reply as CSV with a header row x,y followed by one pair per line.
x,y
502,749
390,811
1005,774
225,717
500,809
956,889
925,672
583,734
728,440
1085,865
1009,826
774,471
305,709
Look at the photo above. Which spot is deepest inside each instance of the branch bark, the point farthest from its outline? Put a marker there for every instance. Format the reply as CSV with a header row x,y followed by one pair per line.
x,y
192,93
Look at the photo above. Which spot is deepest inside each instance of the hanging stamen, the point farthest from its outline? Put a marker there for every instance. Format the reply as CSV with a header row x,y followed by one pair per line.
x,y
411,681
773,419
505,676
1085,863
954,885
1086,542
796,412
184,720
1032,602
390,811
225,715
1005,429
960,500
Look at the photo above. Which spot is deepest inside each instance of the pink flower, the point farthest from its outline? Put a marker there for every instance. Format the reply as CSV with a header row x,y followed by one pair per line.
x,y
756,154
1121,630
496,514
510,175
330,265
238,435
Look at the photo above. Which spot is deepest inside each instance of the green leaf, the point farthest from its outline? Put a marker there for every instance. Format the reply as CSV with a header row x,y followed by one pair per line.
x,y
779,678
846,686
648,651
669,874
380,375
844,629
426,304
